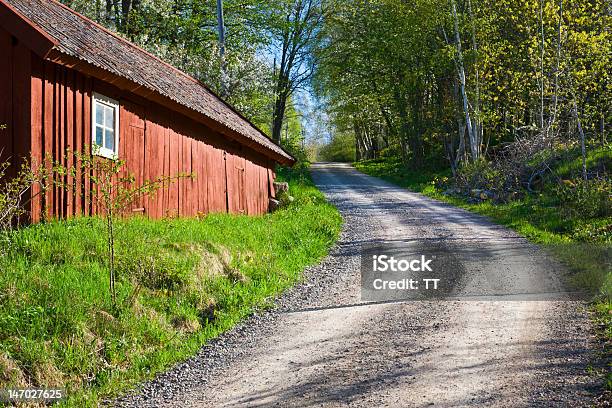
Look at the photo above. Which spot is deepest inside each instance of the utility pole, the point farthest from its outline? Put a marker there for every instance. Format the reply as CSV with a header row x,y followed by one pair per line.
x,y
221,27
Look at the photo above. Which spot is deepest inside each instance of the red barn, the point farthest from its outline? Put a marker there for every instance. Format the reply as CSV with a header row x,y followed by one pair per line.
x,y
67,83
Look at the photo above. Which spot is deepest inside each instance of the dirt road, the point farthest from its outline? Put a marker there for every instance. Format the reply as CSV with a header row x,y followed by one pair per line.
x,y
325,347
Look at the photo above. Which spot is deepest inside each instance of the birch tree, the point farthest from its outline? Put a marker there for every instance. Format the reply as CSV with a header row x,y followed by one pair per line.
x,y
471,131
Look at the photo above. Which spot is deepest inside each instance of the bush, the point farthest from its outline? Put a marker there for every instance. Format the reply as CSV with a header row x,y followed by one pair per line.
x,y
586,198
479,175
14,188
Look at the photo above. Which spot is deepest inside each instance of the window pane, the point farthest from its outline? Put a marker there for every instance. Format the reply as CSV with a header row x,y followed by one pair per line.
x,y
109,141
109,117
99,113
99,133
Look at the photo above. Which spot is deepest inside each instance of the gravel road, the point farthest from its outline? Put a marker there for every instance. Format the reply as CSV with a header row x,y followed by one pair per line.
x,y
322,346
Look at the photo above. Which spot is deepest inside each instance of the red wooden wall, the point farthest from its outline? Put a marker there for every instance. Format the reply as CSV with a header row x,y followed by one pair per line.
x,y
14,100
50,111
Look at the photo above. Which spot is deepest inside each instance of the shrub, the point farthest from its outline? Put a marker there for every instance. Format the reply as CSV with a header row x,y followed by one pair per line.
x,y
479,175
586,198
15,189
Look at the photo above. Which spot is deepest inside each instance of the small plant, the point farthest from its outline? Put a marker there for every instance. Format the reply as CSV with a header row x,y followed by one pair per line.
x,y
113,192
284,199
16,191
440,183
480,175
586,198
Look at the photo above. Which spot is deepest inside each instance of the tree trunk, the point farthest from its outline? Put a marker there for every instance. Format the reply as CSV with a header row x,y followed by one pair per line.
x,y
553,117
474,148
278,116
603,130
109,12
404,129
221,29
358,140
478,130
542,66
582,141
416,145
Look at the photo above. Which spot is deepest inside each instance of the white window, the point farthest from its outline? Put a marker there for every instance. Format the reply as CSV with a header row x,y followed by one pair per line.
x,y
105,129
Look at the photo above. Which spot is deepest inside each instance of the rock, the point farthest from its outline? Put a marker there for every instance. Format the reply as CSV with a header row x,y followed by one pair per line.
x,y
280,186
273,204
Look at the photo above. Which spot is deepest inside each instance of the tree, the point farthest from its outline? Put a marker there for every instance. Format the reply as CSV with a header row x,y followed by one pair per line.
x,y
462,79
113,192
185,34
299,23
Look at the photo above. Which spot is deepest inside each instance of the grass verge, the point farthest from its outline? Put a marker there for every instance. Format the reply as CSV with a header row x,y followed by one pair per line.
x,y
181,282
582,244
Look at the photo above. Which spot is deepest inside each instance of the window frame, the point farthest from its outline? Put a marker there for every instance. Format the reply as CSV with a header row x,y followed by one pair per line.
x,y
111,103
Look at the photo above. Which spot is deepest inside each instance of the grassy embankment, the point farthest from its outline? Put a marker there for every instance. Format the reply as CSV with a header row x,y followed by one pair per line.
x,y
181,282
584,244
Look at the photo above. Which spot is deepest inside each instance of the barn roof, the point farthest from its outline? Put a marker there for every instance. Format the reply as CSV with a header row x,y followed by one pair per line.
x,y
59,34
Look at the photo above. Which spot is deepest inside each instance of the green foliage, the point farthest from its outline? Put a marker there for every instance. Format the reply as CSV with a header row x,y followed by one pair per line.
x,y
114,190
589,265
598,161
479,175
389,73
19,185
393,169
184,33
158,270
594,231
293,37
292,136
341,148
180,282
586,199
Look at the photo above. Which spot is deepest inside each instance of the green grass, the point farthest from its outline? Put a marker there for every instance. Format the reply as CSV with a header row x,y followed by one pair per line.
x,y
181,282
582,244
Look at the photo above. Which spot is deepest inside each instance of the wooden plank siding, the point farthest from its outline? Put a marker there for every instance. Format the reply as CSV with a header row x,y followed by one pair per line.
x,y
37,132
15,105
153,140
6,96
